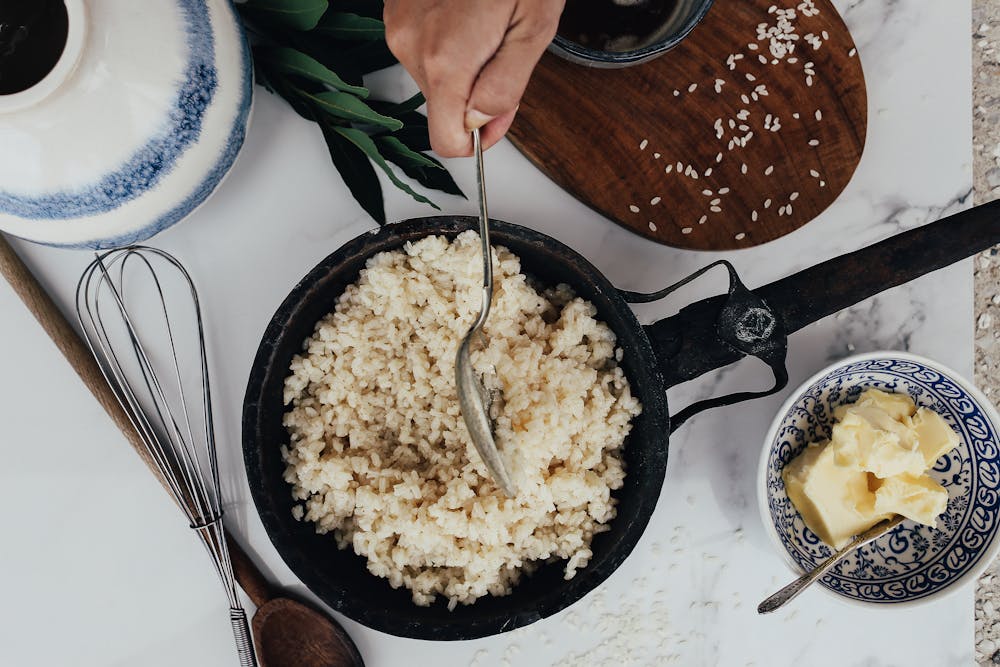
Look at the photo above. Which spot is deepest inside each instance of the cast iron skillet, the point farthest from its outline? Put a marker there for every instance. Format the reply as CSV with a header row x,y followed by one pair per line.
x,y
703,336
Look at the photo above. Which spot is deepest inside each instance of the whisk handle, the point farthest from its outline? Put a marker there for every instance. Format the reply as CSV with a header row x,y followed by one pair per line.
x,y
244,642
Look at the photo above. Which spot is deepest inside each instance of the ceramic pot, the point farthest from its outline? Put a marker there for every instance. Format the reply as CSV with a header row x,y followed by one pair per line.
x,y
140,116
684,17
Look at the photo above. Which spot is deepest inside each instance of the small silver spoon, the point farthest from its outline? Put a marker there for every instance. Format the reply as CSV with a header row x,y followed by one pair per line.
x,y
789,592
472,396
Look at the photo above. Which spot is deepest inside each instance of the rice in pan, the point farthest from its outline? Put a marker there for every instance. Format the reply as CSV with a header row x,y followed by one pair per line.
x,y
379,454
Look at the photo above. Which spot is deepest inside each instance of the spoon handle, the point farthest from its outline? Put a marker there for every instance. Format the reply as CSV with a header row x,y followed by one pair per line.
x,y
789,592
250,579
484,232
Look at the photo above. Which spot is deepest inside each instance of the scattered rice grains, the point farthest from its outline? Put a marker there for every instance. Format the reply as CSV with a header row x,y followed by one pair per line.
x,y
777,40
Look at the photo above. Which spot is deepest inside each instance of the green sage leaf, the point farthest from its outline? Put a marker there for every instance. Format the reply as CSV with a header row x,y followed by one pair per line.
x,y
426,170
345,105
414,133
344,25
437,179
281,86
396,151
329,53
294,14
295,62
357,172
365,143
369,56
396,109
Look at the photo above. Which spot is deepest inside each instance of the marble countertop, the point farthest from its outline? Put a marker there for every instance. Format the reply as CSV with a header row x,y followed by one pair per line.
x,y
100,570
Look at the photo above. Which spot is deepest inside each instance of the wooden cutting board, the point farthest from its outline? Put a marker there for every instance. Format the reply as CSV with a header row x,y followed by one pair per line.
x,y
727,141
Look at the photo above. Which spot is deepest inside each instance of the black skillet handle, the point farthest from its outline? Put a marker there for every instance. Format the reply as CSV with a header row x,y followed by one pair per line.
x,y
713,333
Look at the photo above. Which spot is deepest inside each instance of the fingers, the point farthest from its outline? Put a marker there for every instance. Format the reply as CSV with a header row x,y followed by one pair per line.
x,y
500,85
445,119
444,45
472,60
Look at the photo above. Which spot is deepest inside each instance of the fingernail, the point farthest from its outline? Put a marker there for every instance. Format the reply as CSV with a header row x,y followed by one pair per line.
x,y
476,119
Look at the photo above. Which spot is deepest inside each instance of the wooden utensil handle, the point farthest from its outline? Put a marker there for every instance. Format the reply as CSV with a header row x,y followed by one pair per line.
x,y
250,578
80,358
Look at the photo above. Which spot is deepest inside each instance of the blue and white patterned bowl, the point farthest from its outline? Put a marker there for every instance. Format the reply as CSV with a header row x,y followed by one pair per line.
x,y
140,119
913,563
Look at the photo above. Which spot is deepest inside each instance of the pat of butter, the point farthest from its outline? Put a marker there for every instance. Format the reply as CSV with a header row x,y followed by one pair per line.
x,y
916,497
871,469
871,440
895,406
934,436
834,500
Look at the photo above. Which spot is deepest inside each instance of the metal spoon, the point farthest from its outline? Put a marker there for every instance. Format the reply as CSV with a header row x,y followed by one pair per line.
x,y
472,396
789,592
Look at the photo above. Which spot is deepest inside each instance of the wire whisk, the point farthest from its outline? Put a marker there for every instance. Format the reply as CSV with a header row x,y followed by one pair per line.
x,y
128,302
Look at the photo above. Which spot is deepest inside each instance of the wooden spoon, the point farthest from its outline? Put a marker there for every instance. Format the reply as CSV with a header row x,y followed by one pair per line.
x,y
287,633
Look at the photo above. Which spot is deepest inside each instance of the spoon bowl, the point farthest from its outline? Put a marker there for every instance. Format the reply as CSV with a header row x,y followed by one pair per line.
x,y
291,634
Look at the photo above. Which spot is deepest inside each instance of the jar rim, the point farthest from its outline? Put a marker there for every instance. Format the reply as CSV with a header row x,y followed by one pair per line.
x,y
76,34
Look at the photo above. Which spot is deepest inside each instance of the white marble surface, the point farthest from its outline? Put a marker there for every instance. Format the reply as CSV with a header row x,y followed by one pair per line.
x,y
98,569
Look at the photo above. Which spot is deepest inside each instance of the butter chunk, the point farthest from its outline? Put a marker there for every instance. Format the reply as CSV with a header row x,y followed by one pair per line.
x,y
933,434
872,468
896,406
919,498
870,439
835,501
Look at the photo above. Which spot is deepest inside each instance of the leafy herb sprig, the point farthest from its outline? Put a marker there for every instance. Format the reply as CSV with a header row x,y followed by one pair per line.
x,y
316,57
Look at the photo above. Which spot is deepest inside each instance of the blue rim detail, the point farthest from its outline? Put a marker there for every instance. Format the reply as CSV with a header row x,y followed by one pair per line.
x,y
214,177
913,561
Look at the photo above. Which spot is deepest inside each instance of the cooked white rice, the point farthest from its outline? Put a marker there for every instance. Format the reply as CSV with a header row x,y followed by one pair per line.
x,y
379,453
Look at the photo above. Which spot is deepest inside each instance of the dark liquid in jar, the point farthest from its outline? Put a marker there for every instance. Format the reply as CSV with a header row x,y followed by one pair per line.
x,y
32,37
607,25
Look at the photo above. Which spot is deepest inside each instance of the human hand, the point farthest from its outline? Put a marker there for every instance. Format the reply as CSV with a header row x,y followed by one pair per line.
x,y
472,59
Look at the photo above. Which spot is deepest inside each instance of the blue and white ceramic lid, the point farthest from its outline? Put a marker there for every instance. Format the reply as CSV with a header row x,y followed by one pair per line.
x,y
134,127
